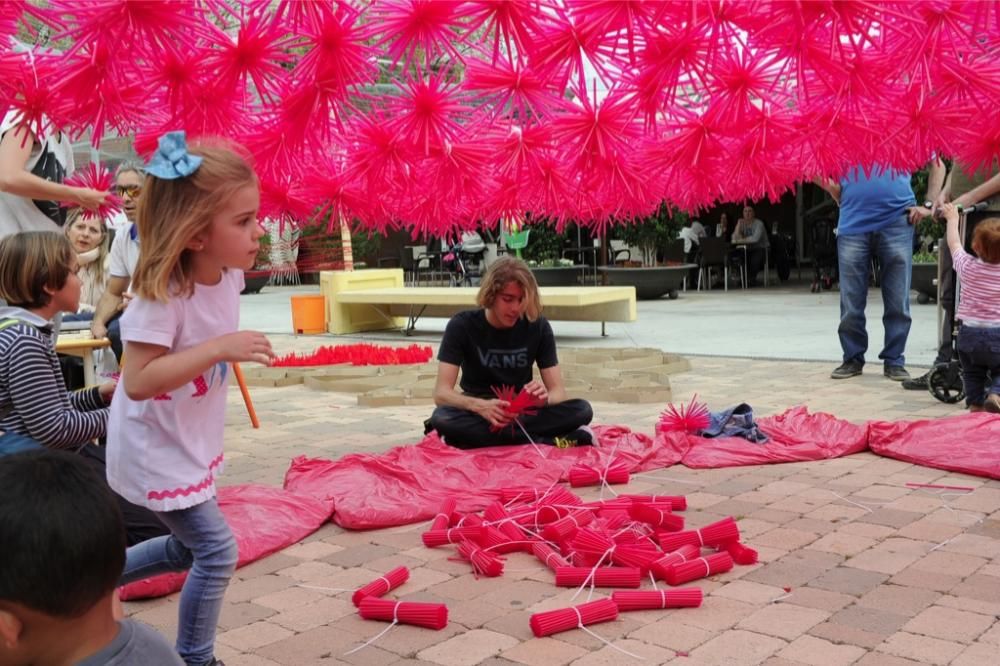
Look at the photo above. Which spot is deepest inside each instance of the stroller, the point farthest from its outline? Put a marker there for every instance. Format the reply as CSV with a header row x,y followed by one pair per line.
x,y
463,260
945,381
824,248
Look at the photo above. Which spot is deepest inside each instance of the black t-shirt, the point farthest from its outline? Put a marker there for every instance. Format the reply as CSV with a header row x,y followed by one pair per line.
x,y
497,357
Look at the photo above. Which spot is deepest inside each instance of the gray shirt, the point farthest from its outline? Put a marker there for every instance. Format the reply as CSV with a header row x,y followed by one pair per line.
x,y
135,644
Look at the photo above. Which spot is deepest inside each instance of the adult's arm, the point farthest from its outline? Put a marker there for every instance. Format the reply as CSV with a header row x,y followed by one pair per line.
x,y
554,384
980,193
445,395
42,403
831,186
15,151
936,172
950,212
757,233
108,305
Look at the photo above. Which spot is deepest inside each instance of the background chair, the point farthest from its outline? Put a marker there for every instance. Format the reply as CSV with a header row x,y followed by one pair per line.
x,y
715,254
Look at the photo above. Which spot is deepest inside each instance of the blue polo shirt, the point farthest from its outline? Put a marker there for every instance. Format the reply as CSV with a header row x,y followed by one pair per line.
x,y
870,203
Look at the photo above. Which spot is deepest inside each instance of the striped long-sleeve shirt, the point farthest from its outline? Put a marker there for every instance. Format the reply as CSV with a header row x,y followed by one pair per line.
x,y
33,396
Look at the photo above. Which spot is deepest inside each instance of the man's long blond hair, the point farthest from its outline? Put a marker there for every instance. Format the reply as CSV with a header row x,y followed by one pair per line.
x,y
502,272
172,212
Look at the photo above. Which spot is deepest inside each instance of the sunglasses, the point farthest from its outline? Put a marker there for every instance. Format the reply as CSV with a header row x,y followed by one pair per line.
x,y
131,190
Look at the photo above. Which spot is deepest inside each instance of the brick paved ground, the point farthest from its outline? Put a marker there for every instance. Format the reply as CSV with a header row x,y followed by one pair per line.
x,y
879,573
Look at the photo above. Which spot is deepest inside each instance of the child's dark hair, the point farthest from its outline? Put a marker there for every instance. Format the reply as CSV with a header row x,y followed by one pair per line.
x,y
986,240
62,538
31,261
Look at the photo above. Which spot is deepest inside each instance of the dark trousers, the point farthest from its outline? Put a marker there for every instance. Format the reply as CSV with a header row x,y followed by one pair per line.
x,y
755,264
979,353
467,430
946,301
115,336
141,524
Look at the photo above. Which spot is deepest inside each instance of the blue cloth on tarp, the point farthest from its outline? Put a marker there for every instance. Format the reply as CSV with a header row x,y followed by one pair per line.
x,y
734,422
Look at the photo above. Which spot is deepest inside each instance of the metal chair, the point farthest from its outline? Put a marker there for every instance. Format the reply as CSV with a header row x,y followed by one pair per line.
x,y
715,253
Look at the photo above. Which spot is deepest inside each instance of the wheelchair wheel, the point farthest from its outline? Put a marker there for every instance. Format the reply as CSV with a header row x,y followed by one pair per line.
x,y
945,383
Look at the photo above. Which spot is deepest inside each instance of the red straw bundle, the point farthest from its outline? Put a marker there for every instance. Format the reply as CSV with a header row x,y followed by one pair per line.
x,y
656,517
431,616
677,502
443,517
684,597
716,534
591,542
635,555
741,554
661,566
602,576
434,538
564,528
582,475
548,556
500,542
543,515
381,585
554,495
702,567
483,562
495,513
563,619
613,521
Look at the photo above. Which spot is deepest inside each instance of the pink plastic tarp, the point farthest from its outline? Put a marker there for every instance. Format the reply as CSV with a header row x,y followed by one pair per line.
x,y
264,520
408,484
967,443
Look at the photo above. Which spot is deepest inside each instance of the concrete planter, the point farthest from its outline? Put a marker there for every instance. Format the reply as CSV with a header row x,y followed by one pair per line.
x,y
923,282
650,282
255,280
558,276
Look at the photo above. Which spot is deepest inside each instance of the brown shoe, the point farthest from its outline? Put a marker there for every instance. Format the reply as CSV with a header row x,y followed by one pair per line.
x,y
975,409
992,403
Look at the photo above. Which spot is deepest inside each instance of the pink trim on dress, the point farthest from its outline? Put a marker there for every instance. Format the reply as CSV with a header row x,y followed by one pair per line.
x,y
190,490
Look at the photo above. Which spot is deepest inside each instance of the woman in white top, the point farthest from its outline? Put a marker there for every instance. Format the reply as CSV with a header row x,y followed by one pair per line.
x,y
32,170
89,238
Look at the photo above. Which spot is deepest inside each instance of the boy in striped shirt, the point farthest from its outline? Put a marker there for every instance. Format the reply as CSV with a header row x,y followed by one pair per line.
x,y
978,310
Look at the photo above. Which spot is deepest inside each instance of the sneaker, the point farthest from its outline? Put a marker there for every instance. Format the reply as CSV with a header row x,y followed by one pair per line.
x,y
847,369
582,436
992,404
896,373
917,383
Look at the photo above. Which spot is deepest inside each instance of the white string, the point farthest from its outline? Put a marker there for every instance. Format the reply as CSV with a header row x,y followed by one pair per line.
x,y
947,505
663,598
537,449
592,573
858,504
388,585
579,625
395,621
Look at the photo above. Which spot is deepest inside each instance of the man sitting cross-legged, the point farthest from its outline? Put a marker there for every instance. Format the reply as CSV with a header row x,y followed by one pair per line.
x,y
497,345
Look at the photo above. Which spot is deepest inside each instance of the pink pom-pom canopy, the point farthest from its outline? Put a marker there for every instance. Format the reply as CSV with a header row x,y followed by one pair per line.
x,y
437,116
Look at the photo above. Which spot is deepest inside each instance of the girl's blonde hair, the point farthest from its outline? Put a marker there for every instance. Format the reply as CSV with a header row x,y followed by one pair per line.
x,y
98,267
30,261
502,272
172,212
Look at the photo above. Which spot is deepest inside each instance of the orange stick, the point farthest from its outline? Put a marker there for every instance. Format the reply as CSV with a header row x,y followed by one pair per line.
x,y
246,395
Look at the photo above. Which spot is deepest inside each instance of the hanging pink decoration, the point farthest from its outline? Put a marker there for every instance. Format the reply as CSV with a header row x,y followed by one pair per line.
x,y
96,177
691,418
257,55
506,23
27,88
409,27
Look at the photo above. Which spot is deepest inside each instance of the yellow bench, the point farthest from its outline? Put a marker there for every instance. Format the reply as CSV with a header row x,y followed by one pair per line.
x,y
376,299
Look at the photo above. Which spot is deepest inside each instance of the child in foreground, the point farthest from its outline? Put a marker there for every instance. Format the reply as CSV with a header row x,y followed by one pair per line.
x,y
198,222
978,310
63,552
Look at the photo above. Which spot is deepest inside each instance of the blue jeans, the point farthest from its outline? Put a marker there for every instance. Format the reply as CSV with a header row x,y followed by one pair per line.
x,y
200,539
893,245
979,353
11,442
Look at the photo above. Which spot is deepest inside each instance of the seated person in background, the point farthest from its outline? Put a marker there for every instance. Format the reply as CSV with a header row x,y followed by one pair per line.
x,y
124,256
38,279
63,553
699,229
692,241
722,228
496,346
750,231
89,238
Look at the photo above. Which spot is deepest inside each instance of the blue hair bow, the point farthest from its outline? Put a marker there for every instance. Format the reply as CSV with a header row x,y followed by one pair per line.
x,y
171,159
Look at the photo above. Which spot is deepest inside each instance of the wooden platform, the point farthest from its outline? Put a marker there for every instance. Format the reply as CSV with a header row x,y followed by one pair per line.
x,y
369,305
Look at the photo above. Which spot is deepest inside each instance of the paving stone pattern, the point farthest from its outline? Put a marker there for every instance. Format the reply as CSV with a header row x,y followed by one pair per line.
x,y
855,568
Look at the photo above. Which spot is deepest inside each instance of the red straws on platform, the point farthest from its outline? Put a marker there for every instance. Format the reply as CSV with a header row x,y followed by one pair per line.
x,y
684,597
359,354
548,556
661,566
599,577
483,562
431,616
382,585
716,534
518,403
676,502
564,619
565,528
582,475
741,553
434,538
702,567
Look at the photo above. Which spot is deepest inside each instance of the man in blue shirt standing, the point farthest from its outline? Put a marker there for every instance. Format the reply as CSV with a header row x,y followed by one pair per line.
x,y
877,214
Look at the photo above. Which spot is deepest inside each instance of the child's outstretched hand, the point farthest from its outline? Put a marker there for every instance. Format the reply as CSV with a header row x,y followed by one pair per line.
x,y
245,346
949,212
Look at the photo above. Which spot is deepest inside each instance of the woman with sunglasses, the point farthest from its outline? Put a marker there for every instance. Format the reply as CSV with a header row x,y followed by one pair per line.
x,y
33,165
